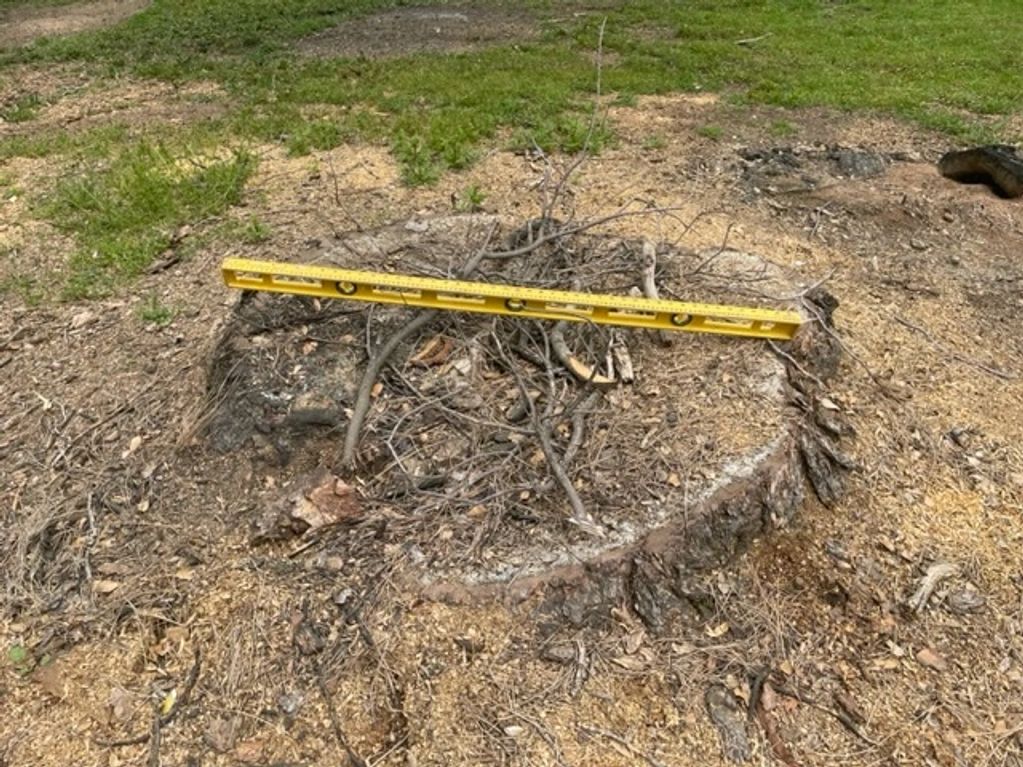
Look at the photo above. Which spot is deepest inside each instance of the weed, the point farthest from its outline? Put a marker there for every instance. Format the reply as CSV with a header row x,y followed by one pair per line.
x,y
316,134
654,141
470,200
254,231
418,165
20,659
155,313
22,109
27,288
124,212
713,132
782,128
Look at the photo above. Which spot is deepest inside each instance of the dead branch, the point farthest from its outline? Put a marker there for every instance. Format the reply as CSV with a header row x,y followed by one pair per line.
x,y
649,283
377,362
585,226
573,364
541,424
622,360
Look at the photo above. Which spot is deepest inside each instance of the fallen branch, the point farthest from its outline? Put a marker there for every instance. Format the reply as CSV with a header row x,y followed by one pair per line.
x,y
580,516
364,393
573,364
649,283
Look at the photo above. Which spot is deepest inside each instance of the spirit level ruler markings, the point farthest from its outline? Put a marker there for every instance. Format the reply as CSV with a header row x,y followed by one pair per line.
x,y
509,300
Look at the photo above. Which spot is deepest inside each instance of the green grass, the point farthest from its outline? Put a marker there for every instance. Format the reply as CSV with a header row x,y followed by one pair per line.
x,y
918,60
124,211
713,132
22,109
782,129
27,288
470,199
153,312
654,141
944,64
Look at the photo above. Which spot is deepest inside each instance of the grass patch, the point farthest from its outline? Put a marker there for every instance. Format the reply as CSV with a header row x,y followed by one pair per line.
x,y
782,129
22,109
254,231
25,287
470,199
124,212
654,141
920,61
153,312
713,132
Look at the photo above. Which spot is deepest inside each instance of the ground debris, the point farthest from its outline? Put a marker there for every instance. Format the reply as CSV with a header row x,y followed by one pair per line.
x,y
935,574
316,500
729,718
930,658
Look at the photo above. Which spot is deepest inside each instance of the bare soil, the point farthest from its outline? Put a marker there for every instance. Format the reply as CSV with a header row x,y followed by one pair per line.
x,y
421,29
128,538
21,26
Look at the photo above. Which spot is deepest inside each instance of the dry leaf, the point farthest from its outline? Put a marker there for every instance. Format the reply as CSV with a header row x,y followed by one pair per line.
x,y
718,631
121,704
104,587
176,633
633,641
168,702
931,659
133,445
250,751
51,678
630,662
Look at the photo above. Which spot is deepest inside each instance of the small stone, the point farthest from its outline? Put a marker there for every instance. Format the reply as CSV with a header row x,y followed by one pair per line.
x,y
290,702
965,600
916,244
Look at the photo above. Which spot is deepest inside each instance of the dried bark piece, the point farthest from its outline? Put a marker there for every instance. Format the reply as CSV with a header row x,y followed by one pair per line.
x,y
730,719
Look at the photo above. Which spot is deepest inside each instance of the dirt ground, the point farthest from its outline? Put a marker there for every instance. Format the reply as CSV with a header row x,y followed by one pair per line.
x,y
20,26
422,29
132,575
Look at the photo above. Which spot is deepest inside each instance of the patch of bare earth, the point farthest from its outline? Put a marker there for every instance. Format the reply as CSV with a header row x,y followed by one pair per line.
x,y
422,29
78,103
884,629
21,26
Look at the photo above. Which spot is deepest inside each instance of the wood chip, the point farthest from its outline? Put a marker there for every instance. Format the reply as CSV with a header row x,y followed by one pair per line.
x,y
931,659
